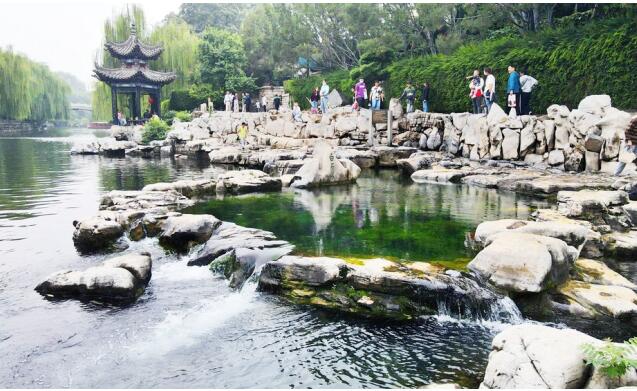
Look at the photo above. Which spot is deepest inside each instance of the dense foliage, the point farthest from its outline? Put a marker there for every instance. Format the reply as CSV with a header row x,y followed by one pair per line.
x,y
155,129
30,91
612,359
570,62
572,49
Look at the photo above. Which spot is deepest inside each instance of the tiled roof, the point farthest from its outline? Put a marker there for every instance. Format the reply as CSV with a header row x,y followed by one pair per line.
x,y
133,48
135,73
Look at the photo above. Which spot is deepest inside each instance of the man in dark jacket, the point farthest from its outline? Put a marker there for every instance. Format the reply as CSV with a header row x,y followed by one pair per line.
x,y
425,97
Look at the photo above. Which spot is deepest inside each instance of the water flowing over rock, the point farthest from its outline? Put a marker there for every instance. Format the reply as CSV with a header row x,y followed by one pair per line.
x,y
236,251
120,279
325,169
382,288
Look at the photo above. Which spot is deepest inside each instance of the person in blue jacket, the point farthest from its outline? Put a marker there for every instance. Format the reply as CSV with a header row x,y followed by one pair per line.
x,y
513,87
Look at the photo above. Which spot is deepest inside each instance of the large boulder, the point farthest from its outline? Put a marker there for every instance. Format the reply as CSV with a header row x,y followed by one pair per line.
x,y
596,272
510,144
439,174
388,156
417,161
184,231
380,288
236,251
96,233
586,203
523,262
120,279
186,187
246,181
325,169
573,234
595,104
534,356
602,300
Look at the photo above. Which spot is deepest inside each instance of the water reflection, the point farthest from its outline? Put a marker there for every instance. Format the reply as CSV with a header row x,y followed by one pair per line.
x,y
381,215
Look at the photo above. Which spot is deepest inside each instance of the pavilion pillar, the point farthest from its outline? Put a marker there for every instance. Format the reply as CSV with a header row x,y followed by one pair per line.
x,y
114,104
137,109
158,103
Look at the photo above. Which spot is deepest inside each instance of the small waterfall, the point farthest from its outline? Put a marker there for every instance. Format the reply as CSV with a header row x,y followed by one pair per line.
x,y
496,310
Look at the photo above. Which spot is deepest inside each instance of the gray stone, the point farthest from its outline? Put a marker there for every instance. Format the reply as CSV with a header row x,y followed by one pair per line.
x,y
556,157
522,262
184,231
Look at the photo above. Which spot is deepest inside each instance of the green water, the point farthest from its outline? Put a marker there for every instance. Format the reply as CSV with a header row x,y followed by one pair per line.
x,y
382,215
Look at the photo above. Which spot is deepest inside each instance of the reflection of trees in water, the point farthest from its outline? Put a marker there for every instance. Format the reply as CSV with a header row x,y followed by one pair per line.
x,y
135,173
28,171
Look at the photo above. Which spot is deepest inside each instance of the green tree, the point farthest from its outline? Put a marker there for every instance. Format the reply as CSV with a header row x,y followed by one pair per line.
x,y
222,61
203,15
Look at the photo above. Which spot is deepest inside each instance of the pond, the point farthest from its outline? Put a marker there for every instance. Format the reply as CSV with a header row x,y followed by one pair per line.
x,y
382,215
189,329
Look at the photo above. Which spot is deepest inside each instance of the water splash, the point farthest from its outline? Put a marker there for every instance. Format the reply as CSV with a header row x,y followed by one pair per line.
x,y
496,313
182,329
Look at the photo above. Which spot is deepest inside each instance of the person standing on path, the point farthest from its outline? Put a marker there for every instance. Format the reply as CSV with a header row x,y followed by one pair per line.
x,y
242,132
376,96
489,88
628,153
235,103
360,93
513,87
314,100
227,100
527,84
476,86
324,92
264,103
425,97
277,102
409,93
247,102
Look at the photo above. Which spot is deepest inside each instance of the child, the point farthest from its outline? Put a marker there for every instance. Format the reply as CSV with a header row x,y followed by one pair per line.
x,y
242,132
512,102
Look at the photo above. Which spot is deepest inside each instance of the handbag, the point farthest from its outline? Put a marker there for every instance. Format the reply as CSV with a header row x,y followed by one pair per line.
x,y
626,155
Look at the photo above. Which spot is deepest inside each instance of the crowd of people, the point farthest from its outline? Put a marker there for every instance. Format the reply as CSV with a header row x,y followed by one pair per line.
x,y
520,86
234,103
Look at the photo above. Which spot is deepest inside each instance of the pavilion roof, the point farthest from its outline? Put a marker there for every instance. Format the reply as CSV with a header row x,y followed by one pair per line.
x,y
135,73
133,48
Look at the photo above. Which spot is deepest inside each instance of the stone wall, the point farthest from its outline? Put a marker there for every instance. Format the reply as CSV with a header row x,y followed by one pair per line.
x,y
20,128
573,140
270,91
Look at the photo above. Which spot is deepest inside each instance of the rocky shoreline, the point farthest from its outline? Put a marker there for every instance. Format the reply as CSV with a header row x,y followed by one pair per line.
x,y
553,264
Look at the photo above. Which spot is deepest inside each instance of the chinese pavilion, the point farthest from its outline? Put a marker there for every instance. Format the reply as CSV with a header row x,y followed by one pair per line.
x,y
134,77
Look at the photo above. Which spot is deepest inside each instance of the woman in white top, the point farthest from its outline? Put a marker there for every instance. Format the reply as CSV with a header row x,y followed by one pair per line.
x,y
489,88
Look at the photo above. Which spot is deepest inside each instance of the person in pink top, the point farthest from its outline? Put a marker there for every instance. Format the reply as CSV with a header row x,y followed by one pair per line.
x,y
360,93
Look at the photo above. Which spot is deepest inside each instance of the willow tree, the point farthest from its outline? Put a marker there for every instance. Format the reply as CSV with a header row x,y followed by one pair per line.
x,y
179,55
30,91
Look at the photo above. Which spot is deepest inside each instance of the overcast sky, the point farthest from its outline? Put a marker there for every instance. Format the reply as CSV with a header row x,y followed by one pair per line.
x,y
66,35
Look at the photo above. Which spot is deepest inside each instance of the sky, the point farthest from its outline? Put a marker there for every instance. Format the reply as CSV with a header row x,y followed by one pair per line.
x,y
66,35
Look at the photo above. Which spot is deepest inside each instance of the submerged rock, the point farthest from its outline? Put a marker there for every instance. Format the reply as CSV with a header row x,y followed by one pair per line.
x,y
120,279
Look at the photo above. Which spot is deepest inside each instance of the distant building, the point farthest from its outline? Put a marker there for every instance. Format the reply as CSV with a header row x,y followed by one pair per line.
x,y
134,77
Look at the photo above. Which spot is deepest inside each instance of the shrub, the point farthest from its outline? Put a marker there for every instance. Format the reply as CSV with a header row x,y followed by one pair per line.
x,y
612,359
183,116
155,129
